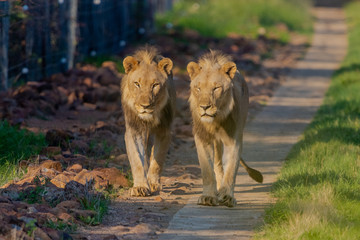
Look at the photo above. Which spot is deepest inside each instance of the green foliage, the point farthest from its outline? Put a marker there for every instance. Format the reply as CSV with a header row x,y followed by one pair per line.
x,y
97,203
68,227
36,194
219,18
16,145
318,188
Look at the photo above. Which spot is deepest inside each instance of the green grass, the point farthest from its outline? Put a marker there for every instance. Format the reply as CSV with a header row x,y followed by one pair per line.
x,y
219,18
68,227
16,145
318,190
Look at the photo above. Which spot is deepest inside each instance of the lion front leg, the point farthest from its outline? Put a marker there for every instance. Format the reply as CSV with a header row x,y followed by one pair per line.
x,y
157,159
218,165
206,159
136,151
231,165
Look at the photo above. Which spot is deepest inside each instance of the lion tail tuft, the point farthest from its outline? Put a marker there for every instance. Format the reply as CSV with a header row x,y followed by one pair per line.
x,y
253,173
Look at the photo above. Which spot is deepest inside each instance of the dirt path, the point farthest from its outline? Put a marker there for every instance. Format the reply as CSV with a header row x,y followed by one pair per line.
x,y
269,138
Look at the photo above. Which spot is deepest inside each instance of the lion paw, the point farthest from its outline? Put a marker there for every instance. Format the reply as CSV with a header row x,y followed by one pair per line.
x,y
227,200
140,191
155,187
207,201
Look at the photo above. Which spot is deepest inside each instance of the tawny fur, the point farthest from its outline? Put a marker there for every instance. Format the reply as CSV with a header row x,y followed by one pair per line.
x,y
219,100
147,97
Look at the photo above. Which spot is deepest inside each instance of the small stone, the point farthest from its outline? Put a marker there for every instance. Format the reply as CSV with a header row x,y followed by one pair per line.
x,y
51,165
62,179
79,213
32,210
69,204
158,199
65,217
51,151
75,168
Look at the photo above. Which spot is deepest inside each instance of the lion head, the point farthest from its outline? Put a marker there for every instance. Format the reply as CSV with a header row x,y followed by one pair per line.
x,y
145,85
211,96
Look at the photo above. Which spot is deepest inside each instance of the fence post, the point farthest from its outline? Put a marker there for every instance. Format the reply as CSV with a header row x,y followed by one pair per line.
x,y
4,43
71,39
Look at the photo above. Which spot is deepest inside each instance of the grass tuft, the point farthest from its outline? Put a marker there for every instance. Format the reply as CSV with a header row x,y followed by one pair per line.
x,y
318,190
16,145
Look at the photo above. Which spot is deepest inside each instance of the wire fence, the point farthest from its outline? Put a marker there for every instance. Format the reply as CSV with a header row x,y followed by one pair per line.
x,y
42,37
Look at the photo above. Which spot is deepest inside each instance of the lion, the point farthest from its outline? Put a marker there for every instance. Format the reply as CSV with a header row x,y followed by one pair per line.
x,y
148,100
219,101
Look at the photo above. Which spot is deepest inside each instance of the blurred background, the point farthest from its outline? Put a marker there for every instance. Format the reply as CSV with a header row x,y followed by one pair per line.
x,y
42,37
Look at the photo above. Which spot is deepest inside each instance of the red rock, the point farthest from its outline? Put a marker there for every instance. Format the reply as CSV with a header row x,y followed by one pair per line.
x,y
44,217
87,107
63,94
101,125
105,76
65,217
62,179
69,204
71,98
79,213
51,151
49,164
50,173
122,158
115,177
158,199
7,209
75,168
88,82
111,65
86,176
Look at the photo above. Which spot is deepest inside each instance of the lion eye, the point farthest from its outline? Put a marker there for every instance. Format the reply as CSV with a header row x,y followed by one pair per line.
x,y
198,89
155,85
137,84
216,89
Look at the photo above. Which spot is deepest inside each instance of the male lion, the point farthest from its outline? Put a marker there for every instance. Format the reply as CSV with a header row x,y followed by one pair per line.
x,y
219,100
148,98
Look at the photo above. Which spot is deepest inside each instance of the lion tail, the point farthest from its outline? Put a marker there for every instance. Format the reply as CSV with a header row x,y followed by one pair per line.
x,y
254,174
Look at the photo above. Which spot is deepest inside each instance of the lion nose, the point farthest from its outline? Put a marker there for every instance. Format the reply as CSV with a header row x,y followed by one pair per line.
x,y
204,106
145,105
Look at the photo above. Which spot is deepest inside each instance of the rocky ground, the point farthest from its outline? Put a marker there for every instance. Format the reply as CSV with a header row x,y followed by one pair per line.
x,y
85,163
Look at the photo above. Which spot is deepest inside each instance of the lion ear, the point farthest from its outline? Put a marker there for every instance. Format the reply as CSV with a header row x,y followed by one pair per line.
x,y
130,64
165,65
193,69
229,69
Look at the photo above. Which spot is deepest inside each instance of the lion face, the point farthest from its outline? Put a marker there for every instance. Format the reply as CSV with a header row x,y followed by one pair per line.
x,y
146,83
211,96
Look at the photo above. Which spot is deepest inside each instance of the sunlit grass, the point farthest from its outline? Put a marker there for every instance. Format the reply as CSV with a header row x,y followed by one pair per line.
x,y
318,190
16,145
219,18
